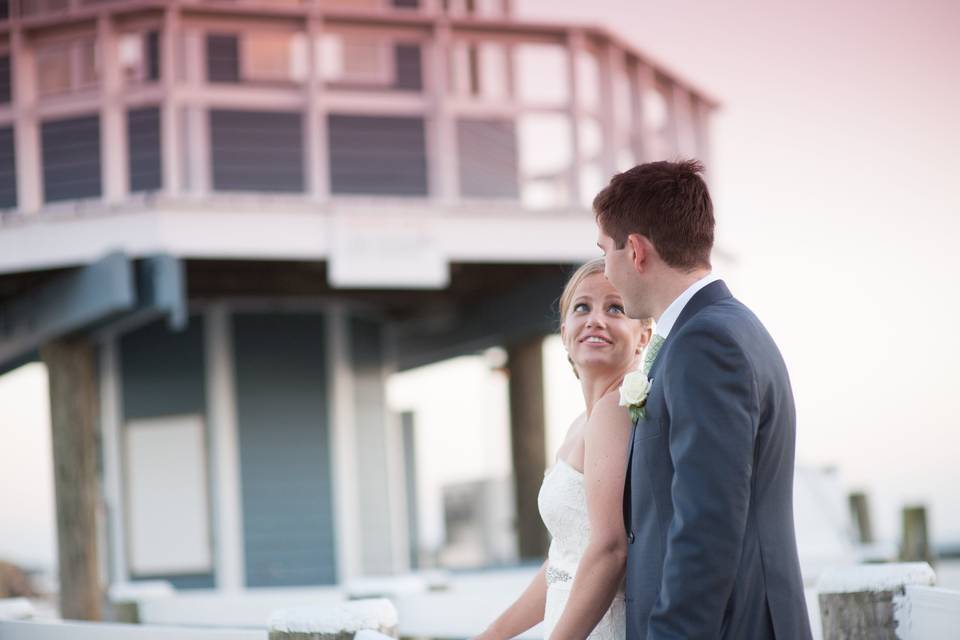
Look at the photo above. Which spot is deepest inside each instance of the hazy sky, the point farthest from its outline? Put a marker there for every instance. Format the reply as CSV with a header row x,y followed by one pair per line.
x,y
835,167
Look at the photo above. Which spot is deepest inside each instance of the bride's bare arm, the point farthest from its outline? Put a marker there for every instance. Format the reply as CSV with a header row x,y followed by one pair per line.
x,y
601,569
524,613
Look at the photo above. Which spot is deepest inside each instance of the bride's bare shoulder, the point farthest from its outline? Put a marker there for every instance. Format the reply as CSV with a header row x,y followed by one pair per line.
x,y
608,413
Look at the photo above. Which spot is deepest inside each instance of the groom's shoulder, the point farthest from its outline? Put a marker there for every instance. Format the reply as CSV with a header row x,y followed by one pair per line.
x,y
727,320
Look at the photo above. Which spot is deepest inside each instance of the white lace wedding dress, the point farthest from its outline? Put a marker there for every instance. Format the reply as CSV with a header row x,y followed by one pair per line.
x,y
563,507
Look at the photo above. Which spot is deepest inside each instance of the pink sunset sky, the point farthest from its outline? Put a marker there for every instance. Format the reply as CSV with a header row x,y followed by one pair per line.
x,y
834,166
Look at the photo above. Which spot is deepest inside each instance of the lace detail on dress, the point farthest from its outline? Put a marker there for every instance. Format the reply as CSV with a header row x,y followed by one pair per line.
x,y
563,507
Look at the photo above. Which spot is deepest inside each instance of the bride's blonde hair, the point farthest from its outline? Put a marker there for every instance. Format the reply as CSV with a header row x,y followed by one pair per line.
x,y
584,271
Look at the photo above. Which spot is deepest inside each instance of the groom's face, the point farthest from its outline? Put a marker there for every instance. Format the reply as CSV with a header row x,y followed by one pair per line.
x,y
619,270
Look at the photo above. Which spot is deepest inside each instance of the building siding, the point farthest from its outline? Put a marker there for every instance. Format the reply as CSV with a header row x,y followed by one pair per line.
x,y
487,153
143,141
284,449
408,69
162,374
71,158
257,151
377,155
8,169
6,80
223,58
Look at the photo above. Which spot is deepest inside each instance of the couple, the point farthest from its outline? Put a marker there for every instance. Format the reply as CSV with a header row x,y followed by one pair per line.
x,y
670,504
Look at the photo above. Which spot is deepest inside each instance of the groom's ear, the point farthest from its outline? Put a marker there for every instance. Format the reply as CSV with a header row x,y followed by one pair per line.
x,y
638,246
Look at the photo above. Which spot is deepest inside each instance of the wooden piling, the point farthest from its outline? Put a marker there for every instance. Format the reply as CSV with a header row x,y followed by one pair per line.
x,y
915,540
860,513
74,412
857,603
528,443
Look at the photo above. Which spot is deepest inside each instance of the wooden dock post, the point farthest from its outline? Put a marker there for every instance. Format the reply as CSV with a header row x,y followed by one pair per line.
x,y
74,412
528,443
915,540
860,512
857,603
370,619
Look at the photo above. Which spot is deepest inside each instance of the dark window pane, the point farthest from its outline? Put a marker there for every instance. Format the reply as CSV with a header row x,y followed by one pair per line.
x,y
223,58
257,151
8,169
6,82
487,158
407,61
71,158
377,155
143,142
153,55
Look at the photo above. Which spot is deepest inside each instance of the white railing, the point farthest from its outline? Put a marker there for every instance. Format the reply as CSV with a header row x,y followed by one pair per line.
x,y
29,630
927,613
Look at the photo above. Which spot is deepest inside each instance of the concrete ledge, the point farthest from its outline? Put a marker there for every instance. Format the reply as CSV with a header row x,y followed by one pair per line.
x,y
342,621
858,603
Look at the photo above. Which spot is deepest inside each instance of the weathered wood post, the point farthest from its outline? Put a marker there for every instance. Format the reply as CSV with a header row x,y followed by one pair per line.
x,y
857,603
74,412
860,512
354,620
528,443
915,541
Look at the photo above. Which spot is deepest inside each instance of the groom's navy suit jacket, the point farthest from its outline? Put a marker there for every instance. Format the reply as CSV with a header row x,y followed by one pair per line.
x,y
708,505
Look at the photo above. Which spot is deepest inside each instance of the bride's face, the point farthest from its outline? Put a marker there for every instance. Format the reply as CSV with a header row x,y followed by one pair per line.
x,y
597,333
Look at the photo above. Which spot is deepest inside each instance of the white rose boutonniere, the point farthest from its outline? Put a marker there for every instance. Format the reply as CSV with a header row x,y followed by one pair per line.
x,y
633,394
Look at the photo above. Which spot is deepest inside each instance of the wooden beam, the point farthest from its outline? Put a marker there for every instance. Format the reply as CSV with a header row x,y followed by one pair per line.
x,y
528,443
71,366
66,304
111,289
528,310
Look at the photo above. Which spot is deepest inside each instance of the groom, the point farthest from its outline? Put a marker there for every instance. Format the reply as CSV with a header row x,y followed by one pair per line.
x,y
708,504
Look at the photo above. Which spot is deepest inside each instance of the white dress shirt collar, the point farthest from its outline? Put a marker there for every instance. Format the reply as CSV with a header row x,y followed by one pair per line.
x,y
669,317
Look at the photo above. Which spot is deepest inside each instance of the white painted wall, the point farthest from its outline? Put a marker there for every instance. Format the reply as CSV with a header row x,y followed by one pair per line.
x,y
27,514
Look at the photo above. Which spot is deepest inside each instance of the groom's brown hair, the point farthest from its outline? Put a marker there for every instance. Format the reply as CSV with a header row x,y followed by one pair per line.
x,y
668,202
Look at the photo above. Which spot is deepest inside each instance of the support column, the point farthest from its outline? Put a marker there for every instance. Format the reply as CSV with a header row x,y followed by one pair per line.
x,y
196,124
26,130
528,443
110,440
646,148
170,125
611,61
576,42
315,123
113,130
71,366
343,445
443,165
224,450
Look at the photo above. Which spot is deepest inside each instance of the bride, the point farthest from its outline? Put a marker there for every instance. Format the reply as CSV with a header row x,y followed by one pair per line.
x,y
578,592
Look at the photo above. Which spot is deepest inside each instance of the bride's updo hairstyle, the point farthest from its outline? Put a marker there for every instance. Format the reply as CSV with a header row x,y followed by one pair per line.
x,y
585,270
